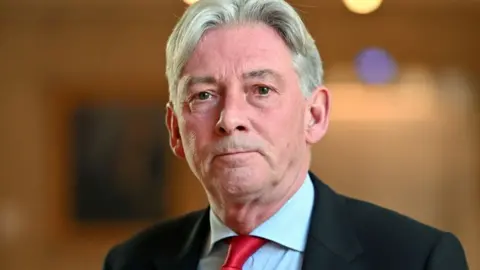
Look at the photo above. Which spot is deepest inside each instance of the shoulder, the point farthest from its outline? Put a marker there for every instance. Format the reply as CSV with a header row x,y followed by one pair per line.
x,y
162,239
371,219
391,235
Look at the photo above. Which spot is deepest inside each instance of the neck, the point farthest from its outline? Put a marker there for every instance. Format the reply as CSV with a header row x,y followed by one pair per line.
x,y
244,217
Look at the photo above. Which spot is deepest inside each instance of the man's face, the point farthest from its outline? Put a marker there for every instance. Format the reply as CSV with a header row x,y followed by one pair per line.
x,y
240,118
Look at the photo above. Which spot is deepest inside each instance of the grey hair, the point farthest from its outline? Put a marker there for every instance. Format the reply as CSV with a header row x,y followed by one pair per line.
x,y
278,14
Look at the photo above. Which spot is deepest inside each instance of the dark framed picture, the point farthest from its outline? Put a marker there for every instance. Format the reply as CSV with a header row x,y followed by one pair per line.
x,y
109,158
118,155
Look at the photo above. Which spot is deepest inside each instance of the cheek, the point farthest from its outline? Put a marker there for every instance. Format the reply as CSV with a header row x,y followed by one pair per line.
x,y
281,124
196,133
190,142
290,128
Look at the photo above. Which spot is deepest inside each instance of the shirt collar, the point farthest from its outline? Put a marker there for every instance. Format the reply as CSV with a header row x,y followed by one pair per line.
x,y
287,227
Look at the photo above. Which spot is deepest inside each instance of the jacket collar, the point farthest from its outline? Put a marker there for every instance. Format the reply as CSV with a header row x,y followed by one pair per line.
x,y
331,243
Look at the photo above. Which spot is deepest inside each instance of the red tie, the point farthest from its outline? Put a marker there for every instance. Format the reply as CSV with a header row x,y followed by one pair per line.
x,y
240,249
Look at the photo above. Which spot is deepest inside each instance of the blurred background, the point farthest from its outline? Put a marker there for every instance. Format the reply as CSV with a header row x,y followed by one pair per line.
x,y
84,159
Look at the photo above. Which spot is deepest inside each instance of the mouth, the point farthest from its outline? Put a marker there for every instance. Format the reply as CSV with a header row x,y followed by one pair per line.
x,y
234,153
235,159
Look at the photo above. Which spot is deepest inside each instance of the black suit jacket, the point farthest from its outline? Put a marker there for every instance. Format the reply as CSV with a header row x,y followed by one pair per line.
x,y
345,234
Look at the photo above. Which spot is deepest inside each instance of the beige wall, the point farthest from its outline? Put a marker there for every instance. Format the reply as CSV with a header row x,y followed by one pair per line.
x,y
412,146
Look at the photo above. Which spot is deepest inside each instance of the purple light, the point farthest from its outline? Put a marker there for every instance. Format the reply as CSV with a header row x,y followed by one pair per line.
x,y
375,66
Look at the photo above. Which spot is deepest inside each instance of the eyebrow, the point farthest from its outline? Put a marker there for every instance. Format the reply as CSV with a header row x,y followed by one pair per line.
x,y
199,80
187,81
262,74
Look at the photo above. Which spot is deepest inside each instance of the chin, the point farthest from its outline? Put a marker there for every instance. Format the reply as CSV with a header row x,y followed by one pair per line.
x,y
240,181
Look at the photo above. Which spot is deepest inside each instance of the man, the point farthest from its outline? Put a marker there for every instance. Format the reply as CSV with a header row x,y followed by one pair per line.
x,y
247,103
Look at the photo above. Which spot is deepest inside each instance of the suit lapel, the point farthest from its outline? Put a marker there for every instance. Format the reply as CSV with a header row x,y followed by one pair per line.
x,y
188,256
331,243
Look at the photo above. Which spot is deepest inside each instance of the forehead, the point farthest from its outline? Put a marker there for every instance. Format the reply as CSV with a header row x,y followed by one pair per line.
x,y
238,48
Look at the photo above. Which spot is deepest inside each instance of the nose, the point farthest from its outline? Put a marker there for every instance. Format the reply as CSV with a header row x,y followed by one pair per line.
x,y
233,117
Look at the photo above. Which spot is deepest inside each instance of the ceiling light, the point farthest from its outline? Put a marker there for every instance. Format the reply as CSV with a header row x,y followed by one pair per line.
x,y
362,6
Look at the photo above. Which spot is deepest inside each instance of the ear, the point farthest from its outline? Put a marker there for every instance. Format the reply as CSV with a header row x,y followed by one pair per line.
x,y
171,122
317,115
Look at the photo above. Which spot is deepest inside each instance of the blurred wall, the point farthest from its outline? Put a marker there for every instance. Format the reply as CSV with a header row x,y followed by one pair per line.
x,y
412,146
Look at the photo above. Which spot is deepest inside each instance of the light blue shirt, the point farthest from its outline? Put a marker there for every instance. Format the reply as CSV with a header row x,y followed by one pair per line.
x,y
287,231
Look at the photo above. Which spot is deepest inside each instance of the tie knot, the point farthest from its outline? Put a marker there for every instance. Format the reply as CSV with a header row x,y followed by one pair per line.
x,y
240,249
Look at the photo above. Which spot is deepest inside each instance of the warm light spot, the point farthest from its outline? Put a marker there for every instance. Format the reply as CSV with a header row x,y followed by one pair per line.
x,y
362,6
190,2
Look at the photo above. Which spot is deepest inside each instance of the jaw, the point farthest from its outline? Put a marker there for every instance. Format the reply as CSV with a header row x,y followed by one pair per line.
x,y
243,212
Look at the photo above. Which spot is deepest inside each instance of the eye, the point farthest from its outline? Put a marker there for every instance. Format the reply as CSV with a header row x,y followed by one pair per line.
x,y
263,90
203,95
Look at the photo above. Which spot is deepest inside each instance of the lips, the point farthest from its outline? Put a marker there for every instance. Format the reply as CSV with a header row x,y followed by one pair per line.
x,y
234,153
238,156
